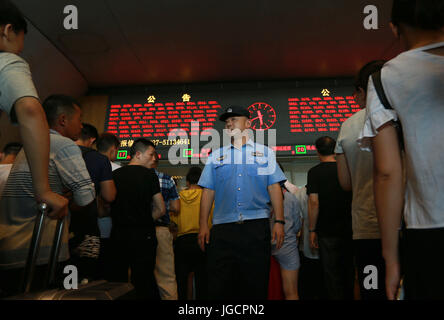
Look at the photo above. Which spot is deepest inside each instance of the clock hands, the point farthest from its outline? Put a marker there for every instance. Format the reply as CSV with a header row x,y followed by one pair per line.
x,y
264,113
260,117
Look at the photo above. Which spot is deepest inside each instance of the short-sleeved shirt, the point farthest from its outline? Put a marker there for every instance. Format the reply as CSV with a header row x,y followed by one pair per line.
x,y
18,208
413,83
169,193
98,165
5,169
84,226
301,195
288,254
360,165
334,219
132,208
15,81
240,179
105,223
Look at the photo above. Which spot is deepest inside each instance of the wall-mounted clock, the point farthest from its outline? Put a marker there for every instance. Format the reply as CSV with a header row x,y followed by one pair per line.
x,y
262,116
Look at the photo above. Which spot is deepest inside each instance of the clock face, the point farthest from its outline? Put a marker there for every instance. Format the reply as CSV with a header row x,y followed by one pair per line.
x,y
262,116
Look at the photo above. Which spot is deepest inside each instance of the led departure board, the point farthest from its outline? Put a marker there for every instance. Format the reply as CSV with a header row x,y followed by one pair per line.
x,y
297,117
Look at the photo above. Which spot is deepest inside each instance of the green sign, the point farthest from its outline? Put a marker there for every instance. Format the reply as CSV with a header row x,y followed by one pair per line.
x,y
301,149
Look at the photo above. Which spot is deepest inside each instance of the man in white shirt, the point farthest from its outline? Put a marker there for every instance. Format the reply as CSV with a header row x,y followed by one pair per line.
x,y
68,173
19,99
413,83
355,173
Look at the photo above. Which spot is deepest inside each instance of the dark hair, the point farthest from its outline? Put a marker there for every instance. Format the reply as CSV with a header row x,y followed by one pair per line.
x,y
193,175
57,104
106,141
422,14
10,14
141,145
12,148
325,145
88,131
361,80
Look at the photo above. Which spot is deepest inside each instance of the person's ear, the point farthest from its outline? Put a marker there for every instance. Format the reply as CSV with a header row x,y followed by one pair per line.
x,y
395,30
62,120
6,30
2,30
248,124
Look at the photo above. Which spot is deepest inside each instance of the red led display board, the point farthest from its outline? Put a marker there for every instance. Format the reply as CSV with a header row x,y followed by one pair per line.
x,y
298,117
156,120
316,114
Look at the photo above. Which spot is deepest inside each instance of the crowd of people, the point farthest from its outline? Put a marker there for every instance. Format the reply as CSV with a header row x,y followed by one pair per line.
x,y
370,215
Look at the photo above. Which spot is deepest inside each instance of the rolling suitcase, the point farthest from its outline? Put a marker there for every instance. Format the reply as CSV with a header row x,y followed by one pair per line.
x,y
96,290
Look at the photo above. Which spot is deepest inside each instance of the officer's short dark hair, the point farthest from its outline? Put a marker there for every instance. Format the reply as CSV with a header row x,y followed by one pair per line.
x,y
141,145
106,141
422,14
361,80
325,145
10,14
88,131
12,148
58,104
193,175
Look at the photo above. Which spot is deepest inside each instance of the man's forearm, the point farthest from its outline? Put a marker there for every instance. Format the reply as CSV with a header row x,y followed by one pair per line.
x,y
205,207
388,189
174,207
35,137
343,172
313,212
157,213
275,193
389,202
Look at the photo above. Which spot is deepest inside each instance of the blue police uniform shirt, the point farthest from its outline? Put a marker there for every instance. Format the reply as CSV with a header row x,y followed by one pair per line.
x,y
240,179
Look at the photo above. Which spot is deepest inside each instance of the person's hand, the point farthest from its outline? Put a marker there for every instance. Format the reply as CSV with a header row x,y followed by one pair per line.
x,y
314,240
392,279
203,237
57,204
69,195
278,235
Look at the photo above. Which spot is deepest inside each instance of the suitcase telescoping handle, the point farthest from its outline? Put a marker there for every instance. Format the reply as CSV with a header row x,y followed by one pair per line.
x,y
35,246
55,250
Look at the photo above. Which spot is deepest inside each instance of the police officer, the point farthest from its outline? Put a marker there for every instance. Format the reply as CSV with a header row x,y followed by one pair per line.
x,y
242,178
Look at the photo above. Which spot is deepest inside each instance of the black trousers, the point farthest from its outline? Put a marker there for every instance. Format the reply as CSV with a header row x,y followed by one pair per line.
x,y
133,249
336,254
368,252
311,279
239,260
424,264
188,257
103,257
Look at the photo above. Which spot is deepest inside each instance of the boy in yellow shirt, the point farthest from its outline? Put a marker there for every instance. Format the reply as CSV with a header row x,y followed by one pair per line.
x,y
188,256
